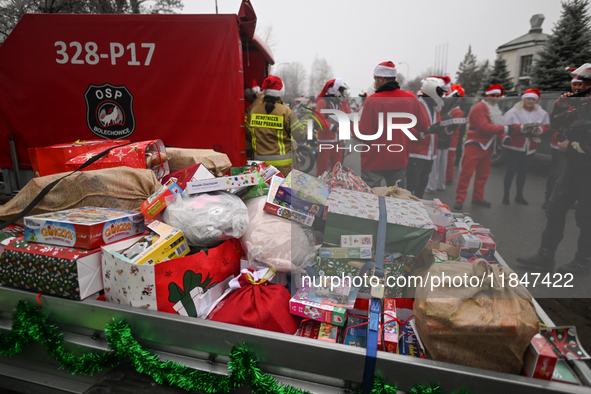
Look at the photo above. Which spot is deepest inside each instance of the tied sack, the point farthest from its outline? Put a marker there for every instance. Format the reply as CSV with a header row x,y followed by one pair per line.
x,y
117,188
488,326
396,192
257,303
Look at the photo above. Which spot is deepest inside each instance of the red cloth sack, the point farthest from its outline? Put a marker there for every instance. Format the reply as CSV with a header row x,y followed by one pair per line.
x,y
257,303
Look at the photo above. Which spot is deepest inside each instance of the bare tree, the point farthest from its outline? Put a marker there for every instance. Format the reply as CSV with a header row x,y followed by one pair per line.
x,y
293,76
320,74
156,6
268,35
11,11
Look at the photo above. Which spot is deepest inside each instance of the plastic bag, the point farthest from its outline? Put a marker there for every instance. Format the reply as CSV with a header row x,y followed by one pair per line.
x,y
207,219
342,177
273,241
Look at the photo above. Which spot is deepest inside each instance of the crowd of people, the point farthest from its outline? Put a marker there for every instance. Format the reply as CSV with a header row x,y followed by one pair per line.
x,y
425,161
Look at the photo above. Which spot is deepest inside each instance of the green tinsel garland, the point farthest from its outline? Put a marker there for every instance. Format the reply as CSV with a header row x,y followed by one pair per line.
x,y
29,324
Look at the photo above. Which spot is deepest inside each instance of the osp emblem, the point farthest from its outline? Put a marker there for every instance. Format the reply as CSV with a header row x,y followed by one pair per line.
x,y
109,111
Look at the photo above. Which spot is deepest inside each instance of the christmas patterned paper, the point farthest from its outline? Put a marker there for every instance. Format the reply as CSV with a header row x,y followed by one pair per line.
x,y
349,212
565,342
366,206
51,269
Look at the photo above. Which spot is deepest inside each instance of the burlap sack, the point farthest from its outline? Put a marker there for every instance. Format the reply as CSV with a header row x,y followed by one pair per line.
x,y
396,192
216,162
488,326
120,188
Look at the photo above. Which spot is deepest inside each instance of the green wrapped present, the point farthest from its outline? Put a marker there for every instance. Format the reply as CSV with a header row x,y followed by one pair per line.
x,y
350,212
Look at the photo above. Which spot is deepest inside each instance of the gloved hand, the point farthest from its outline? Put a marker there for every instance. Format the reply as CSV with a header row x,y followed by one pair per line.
x,y
434,128
507,141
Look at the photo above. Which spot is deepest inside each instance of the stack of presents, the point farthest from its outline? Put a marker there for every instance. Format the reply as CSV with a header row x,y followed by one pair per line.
x,y
299,255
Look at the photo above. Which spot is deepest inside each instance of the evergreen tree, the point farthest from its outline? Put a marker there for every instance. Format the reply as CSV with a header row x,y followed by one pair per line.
x,y
500,75
468,74
569,45
484,72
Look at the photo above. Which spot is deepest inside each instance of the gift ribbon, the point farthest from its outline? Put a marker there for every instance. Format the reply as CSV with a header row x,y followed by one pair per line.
x,y
268,275
483,231
437,206
371,352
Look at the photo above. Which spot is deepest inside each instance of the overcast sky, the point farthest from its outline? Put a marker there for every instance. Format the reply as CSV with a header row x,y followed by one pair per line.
x,y
355,35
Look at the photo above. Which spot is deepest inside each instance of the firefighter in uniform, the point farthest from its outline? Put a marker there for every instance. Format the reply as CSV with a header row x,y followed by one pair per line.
x,y
270,126
252,97
574,183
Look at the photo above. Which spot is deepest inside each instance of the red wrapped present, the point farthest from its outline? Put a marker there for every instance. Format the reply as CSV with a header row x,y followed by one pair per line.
x,y
145,154
52,159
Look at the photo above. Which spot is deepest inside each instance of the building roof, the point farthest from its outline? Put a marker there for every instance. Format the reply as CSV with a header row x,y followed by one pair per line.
x,y
532,37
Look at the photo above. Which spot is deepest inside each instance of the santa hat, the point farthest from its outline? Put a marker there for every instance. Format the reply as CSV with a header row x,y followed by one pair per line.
x,y
385,70
583,72
533,93
576,78
337,83
251,88
495,89
446,81
273,86
456,89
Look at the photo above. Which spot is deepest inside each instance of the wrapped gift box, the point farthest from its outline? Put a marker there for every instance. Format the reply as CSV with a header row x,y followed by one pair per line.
x,y
394,266
350,212
159,200
145,154
331,310
84,228
52,159
272,207
162,286
65,272
564,374
438,212
539,360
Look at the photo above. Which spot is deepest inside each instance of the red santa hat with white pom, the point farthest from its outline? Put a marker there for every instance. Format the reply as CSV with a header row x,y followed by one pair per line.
x,y
385,70
273,86
251,88
532,93
495,89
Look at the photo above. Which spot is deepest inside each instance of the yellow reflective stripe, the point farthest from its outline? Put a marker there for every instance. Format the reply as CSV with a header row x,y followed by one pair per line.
x,y
280,142
284,162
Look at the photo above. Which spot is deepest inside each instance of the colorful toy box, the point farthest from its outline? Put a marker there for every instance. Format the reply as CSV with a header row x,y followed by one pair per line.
x,y
308,304
83,228
539,360
159,200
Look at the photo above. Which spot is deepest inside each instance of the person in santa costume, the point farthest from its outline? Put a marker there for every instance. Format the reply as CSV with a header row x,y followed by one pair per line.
x,y
270,126
378,162
519,147
558,157
486,122
446,142
455,112
423,152
331,97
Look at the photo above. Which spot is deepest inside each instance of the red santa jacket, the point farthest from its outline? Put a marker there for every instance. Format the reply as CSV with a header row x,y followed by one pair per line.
x,y
482,131
426,146
384,154
329,135
455,113
524,116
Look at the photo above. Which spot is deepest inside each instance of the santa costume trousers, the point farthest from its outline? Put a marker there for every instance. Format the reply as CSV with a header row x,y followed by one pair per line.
x,y
328,155
451,158
437,175
475,160
417,175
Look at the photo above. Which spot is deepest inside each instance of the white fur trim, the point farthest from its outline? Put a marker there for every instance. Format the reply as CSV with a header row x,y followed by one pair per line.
x,y
335,86
576,80
385,72
274,93
493,91
532,95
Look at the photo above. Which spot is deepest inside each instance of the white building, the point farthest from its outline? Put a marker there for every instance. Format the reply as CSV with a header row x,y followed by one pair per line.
x,y
521,52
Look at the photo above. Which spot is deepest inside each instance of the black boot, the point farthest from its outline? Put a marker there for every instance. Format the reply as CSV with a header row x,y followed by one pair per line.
x,y
458,206
506,199
520,200
580,267
543,260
